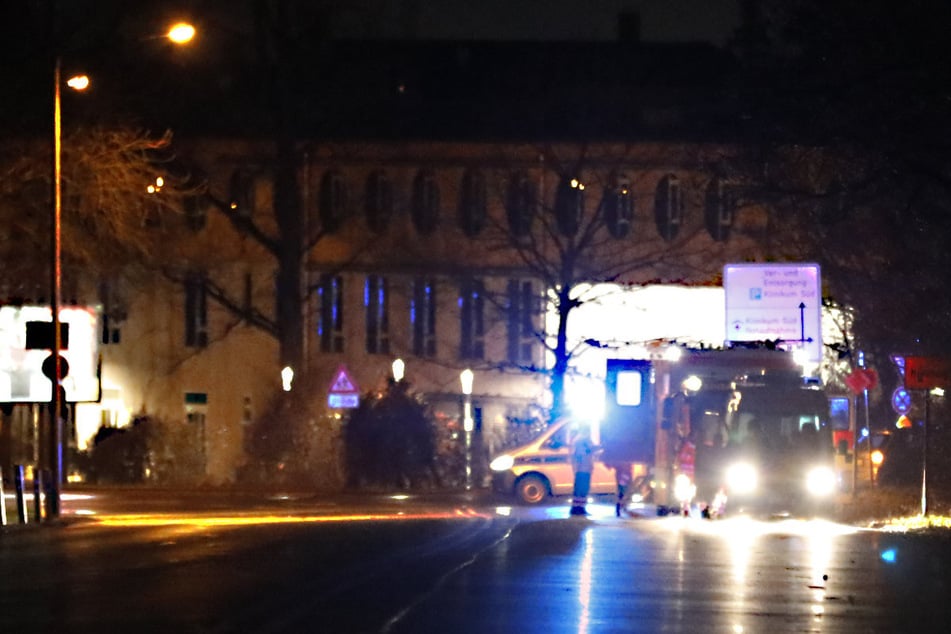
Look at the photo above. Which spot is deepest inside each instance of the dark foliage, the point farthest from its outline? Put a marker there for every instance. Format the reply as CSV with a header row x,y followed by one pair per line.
x,y
147,451
390,441
848,119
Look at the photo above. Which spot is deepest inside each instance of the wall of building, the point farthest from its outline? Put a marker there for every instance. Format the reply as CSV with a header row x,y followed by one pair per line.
x,y
236,372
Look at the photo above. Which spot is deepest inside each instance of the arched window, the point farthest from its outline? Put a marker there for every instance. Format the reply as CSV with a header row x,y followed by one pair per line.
x,y
425,206
241,193
520,204
332,200
379,201
669,207
472,203
719,207
619,206
569,204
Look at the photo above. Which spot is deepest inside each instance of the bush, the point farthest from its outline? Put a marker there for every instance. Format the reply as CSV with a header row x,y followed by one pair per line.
x,y
390,441
294,442
148,450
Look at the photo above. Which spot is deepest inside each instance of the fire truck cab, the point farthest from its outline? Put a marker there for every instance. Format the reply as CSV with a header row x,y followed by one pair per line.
x,y
737,427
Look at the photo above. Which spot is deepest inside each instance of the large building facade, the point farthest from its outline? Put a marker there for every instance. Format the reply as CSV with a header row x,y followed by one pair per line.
x,y
434,224
443,255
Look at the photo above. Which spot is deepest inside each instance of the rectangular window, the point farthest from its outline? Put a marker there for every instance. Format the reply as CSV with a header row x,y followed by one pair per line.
x,y
521,321
423,317
377,303
113,313
472,319
330,321
196,311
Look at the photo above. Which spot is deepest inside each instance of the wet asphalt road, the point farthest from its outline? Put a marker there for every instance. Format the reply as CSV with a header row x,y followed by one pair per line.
x,y
301,564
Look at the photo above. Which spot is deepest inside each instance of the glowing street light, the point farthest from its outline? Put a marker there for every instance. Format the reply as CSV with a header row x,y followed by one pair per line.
x,y
398,370
78,82
181,33
287,378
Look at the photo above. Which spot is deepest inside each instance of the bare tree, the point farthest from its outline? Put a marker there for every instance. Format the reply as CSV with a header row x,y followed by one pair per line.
x,y
847,123
112,207
631,214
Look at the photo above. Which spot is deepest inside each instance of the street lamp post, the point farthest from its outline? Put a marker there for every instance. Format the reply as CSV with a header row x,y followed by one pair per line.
x,y
466,378
56,466
179,34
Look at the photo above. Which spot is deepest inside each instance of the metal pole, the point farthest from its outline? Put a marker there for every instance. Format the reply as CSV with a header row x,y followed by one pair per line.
x,y
924,456
21,499
467,426
868,426
853,426
56,462
38,494
868,429
3,502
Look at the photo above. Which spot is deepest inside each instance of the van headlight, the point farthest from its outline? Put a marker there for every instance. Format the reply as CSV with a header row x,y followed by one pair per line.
x,y
741,478
820,481
502,463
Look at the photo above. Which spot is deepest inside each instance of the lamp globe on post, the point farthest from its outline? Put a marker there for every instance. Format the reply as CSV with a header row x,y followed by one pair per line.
x,y
466,378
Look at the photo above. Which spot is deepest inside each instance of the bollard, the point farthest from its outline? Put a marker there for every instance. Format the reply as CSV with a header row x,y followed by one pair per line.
x,y
3,502
37,498
21,501
52,510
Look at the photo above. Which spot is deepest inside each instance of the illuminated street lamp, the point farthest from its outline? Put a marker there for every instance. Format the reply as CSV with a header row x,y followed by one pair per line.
x,y
180,33
287,378
466,378
398,369
79,82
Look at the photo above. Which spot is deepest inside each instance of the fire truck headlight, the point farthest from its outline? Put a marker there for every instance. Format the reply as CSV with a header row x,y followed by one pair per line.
x,y
502,463
684,489
878,457
741,478
820,481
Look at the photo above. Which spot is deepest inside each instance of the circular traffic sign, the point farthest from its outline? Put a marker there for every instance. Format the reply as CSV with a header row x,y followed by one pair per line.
x,y
901,401
49,367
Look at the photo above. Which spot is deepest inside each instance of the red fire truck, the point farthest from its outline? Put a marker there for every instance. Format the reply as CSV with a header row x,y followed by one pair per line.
x,y
733,428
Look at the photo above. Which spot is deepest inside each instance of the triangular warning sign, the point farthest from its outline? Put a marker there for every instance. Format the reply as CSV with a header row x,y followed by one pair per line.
x,y
343,382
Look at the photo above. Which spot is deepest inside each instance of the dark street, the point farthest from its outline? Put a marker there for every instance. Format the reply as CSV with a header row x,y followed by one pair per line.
x,y
443,565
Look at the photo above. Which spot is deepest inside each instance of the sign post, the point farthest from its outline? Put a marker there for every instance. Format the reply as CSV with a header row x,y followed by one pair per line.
x,y
926,373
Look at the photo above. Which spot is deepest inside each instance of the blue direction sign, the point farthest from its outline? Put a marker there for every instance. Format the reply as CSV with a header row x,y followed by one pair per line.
x,y
343,392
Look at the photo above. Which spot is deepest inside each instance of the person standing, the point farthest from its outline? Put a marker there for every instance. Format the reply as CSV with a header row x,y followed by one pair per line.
x,y
623,471
582,463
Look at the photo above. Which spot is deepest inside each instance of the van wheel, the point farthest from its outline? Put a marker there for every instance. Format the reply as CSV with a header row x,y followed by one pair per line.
x,y
531,489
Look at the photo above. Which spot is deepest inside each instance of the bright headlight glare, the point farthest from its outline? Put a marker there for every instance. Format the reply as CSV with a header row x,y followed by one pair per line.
x,y
741,478
502,463
684,489
820,481
878,457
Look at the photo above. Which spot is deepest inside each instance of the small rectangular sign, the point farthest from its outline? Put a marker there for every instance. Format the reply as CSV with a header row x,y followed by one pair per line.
x,y
339,400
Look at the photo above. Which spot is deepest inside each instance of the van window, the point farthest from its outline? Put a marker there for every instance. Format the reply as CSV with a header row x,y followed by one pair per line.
x,y
559,439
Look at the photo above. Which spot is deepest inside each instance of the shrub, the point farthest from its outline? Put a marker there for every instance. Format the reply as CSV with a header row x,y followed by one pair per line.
x,y
390,441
